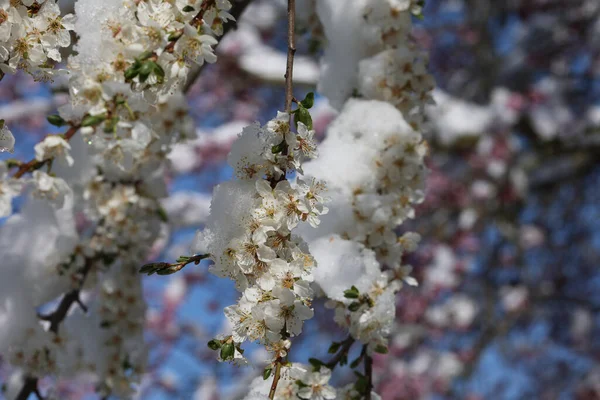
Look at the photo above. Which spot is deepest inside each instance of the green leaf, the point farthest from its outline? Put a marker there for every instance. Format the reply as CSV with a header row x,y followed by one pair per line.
x,y
108,258
309,100
175,35
354,306
344,359
1,123
111,125
335,346
381,349
93,120
152,268
316,363
56,120
131,73
361,384
145,55
303,115
227,351
145,71
158,71
13,162
187,9
162,213
267,372
356,362
278,148
351,293
214,344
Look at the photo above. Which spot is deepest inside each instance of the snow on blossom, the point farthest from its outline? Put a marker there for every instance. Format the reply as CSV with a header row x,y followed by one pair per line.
x,y
53,146
249,233
357,239
343,25
7,140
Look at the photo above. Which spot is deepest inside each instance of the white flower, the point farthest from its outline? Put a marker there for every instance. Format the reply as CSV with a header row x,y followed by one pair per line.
x,y
287,311
410,241
317,387
50,188
292,205
196,47
8,16
303,142
53,146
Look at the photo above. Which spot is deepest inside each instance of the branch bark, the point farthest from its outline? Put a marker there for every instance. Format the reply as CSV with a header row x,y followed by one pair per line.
x,y
368,374
289,69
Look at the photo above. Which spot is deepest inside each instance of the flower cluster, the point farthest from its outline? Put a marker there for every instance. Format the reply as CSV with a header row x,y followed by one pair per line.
x,y
31,34
371,54
398,76
128,109
398,73
249,233
373,139
297,381
121,310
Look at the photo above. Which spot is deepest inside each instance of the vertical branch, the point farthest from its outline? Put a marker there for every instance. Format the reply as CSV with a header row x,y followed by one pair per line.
x,y
289,69
275,379
368,374
289,95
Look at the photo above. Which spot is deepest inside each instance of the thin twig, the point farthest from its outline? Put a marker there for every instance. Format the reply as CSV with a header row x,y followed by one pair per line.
x,y
368,373
342,352
291,36
275,379
289,68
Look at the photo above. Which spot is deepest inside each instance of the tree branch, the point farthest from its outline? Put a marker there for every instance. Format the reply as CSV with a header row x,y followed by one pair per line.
x,y
275,379
342,352
368,373
289,69
291,36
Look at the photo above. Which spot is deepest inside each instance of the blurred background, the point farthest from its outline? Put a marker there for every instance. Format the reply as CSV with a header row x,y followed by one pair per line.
x,y
508,305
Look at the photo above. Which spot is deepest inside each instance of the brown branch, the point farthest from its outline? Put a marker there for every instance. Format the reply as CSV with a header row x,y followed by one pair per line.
x,y
368,373
289,69
342,352
291,36
275,379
